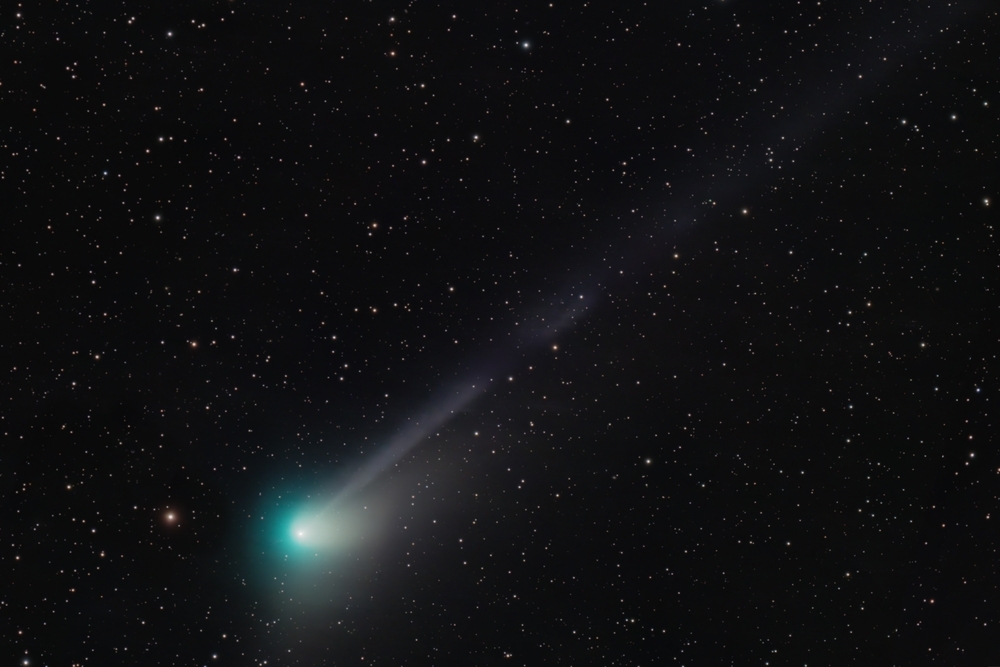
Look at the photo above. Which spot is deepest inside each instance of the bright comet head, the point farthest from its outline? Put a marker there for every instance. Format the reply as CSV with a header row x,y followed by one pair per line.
x,y
336,527
314,529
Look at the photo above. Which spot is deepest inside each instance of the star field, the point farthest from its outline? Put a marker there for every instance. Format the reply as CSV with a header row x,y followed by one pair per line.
x,y
614,333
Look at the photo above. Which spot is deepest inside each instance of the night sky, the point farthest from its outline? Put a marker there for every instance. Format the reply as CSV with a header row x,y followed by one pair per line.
x,y
600,333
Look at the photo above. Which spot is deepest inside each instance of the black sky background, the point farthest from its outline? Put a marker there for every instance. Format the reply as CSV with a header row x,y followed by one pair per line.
x,y
246,243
